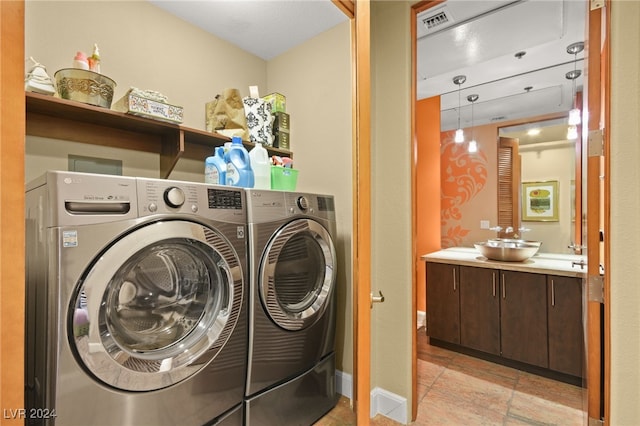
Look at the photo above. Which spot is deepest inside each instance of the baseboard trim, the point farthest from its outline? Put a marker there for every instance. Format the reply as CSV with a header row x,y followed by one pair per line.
x,y
382,401
344,384
422,319
389,405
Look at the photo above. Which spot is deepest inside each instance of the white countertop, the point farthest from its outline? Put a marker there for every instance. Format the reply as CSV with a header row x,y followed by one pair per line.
x,y
541,263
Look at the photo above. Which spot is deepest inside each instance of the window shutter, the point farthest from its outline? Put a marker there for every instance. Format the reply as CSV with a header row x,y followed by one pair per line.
x,y
508,183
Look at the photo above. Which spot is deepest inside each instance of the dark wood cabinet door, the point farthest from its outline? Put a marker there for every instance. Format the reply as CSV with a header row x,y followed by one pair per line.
x,y
523,317
443,303
565,324
480,309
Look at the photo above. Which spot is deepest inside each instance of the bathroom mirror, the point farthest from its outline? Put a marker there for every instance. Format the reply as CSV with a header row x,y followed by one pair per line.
x,y
547,170
515,57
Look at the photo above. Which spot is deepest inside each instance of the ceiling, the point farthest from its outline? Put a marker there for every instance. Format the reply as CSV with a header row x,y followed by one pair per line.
x,y
265,28
479,40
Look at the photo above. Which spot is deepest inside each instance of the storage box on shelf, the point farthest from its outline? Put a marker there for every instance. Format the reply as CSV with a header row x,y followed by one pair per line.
x,y
277,101
134,102
281,130
56,118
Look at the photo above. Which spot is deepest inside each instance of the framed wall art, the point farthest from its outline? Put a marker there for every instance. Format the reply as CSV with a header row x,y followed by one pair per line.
x,y
540,201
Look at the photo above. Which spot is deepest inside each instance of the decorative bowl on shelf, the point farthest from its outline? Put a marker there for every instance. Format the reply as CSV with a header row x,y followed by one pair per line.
x,y
85,86
507,251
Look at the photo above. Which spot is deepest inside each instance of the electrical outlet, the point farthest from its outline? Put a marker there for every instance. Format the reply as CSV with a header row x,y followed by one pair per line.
x,y
484,224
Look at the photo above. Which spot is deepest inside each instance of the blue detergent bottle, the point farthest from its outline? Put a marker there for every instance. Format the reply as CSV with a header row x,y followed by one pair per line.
x,y
239,172
215,168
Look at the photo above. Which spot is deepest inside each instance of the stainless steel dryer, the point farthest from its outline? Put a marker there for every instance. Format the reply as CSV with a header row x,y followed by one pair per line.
x,y
136,301
292,314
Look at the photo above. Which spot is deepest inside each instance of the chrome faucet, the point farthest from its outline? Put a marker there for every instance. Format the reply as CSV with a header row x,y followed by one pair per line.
x,y
509,229
521,230
497,229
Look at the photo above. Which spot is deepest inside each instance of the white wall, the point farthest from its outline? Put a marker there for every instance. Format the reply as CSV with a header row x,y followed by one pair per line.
x,y
625,205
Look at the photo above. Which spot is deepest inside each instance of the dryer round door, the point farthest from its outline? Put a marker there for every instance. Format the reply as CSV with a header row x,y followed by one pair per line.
x,y
156,306
297,274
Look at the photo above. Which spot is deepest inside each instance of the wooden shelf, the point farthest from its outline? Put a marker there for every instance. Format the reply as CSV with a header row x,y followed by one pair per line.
x,y
57,118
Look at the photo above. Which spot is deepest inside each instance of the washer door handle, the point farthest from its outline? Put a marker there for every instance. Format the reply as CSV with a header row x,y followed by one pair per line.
x,y
377,299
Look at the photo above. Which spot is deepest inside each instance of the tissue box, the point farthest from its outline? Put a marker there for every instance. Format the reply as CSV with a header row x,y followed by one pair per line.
x,y
135,104
278,102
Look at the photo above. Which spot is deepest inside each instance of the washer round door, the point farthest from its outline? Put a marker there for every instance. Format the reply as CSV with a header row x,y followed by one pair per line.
x,y
298,274
156,306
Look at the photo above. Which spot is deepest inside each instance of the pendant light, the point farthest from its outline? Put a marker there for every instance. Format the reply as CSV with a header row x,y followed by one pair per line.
x,y
473,145
459,80
574,113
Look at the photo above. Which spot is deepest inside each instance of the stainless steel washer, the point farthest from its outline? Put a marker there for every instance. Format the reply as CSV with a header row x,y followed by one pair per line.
x,y
136,301
292,314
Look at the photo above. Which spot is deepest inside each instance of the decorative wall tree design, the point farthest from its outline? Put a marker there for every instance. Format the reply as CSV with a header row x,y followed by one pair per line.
x,y
463,176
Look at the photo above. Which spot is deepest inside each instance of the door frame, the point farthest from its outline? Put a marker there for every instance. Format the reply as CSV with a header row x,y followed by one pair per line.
x,y
359,12
12,237
362,212
598,208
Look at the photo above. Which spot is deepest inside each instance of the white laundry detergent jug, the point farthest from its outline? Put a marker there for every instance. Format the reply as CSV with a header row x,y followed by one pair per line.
x,y
261,167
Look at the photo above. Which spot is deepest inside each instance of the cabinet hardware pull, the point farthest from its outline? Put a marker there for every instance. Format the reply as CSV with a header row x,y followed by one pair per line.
x,y
553,294
493,276
504,290
454,279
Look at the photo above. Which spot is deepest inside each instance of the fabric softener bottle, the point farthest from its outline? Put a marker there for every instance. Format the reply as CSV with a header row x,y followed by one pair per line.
x,y
239,172
215,168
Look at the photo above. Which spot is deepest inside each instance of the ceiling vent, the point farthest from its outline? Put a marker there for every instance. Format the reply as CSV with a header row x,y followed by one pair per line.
x,y
438,19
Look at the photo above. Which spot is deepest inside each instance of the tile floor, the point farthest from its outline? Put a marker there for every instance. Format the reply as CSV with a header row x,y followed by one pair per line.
x,y
456,389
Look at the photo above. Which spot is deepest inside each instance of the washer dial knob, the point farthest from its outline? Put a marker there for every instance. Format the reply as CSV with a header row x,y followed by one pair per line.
x,y
303,203
174,196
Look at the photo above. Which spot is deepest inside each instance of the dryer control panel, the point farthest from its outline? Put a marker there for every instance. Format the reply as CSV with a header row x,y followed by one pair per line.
x,y
265,205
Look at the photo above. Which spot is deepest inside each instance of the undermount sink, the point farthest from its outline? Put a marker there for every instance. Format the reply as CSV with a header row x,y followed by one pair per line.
x,y
508,250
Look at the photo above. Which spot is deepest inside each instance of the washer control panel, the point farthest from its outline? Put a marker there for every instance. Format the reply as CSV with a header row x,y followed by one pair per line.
x,y
157,196
162,196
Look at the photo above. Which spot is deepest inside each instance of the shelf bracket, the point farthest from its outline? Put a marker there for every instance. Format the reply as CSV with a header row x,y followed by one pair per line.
x,y
171,151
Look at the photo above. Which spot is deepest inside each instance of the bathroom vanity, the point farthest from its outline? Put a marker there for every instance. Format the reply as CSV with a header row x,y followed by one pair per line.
x,y
527,315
